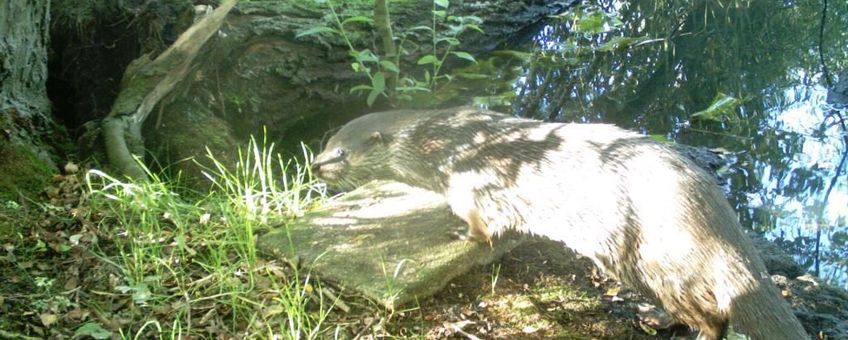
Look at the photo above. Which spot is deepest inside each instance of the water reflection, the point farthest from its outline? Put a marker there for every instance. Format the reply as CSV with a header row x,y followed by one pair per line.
x,y
649,66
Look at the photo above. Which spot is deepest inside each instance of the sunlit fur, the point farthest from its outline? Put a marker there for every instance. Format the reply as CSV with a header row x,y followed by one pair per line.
x,y
642,212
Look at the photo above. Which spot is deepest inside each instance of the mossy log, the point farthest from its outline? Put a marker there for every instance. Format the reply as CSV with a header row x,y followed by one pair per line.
x,y
145,83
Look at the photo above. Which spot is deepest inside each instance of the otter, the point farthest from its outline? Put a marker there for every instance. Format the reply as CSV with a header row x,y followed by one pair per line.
x,y
643,213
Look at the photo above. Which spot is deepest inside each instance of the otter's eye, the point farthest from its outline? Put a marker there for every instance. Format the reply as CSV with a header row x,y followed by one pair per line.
x,y
340,152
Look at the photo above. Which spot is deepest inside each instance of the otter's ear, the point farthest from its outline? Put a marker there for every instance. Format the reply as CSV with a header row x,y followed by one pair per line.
x,y
378,137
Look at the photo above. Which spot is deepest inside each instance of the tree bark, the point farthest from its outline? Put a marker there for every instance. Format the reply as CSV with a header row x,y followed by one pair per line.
x,y
144,84
26,125
23,47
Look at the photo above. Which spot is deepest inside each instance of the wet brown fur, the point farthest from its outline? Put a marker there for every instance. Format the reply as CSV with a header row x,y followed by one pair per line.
x,y
643,213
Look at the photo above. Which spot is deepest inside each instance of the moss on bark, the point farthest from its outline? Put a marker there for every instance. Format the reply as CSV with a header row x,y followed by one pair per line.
x,y
22,173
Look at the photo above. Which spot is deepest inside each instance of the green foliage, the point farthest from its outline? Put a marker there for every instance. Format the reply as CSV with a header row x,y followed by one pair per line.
x,y
444,42
379,68
620,43
587,22
489,82
660,138
741,74
50,299
94,330
722,107
180,255
590,20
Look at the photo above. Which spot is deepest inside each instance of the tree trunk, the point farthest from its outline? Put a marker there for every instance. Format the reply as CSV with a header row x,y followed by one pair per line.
x,y
26,126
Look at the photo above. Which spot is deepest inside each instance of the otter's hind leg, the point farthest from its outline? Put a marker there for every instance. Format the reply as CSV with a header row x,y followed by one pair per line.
x,y
477,229
714,331
462,202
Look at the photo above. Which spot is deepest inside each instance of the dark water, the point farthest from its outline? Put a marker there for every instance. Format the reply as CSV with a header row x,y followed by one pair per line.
x,y
744,77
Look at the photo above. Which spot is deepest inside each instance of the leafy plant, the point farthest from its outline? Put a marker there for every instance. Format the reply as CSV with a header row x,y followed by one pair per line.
x,y
589,21
722,107
495,275
456,25
380,68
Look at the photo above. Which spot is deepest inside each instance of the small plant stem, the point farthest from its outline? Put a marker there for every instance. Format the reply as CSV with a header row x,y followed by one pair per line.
x,y
438,66
384,28
346,39
435,67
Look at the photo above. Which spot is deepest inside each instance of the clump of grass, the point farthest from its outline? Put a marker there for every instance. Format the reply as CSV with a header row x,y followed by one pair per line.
x,y
188,267
259,189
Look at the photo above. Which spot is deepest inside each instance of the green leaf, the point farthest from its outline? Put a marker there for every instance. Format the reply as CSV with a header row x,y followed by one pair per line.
x,y
614,21
388,65
358,18
440,14
592,23
659,138
474,27
473,18
724,170
503,99
464,55
421,28
451,41
92,329
316,30
721,107
428,59
140,292
412,89
40,246
442,3
378,82
364,56
647,329
372,97
524,56
358,88
616,43
474,76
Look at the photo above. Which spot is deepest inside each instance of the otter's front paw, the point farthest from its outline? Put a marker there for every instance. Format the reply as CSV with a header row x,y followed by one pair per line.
x,y
462,235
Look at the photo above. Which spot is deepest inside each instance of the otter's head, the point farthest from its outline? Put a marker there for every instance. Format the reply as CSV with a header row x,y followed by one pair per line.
x,y
357,154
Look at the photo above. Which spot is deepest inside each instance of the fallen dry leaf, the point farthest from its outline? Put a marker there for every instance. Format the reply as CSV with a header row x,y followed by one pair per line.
x,y
48,319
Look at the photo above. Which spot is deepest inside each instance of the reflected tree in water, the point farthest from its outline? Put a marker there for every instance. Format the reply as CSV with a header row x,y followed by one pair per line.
x,y
651,65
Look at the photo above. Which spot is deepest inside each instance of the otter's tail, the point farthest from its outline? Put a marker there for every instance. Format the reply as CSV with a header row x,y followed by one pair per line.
x,y
761,314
